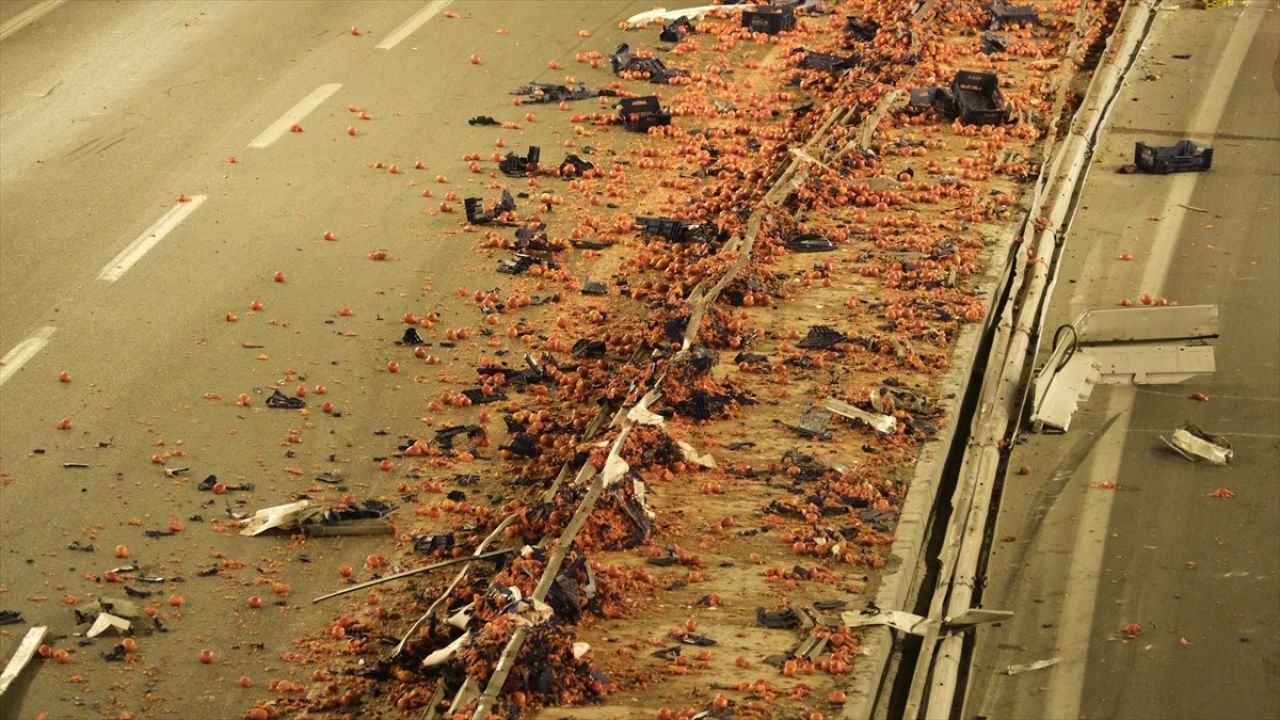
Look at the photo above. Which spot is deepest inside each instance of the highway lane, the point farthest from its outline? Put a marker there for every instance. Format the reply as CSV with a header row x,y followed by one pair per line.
x,y
91,165
1197,573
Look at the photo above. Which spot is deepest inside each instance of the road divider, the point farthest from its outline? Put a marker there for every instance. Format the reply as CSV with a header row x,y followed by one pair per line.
x,y
24,351
121,263
407,28
294,115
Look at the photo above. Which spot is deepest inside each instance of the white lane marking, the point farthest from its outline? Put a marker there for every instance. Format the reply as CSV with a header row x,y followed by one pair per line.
x,y
295,114
419,19
121,263
28,16
1075,627
24,351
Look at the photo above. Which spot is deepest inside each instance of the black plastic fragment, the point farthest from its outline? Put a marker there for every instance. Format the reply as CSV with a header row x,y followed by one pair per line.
x,y
588,348
10,617
654,70
821,337
522,262
810,242
696,639
515,166
483,120
828,63
539,93
430,544
524,445
1003,15
861,29
675,30
477,215
594,287
573,166
411,337
478,396
777,619
284,402
446,436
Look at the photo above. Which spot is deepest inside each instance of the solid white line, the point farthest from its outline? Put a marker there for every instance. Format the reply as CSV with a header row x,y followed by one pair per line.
x,y
1075,627
24,351
295,114
419,19
28,16
121,263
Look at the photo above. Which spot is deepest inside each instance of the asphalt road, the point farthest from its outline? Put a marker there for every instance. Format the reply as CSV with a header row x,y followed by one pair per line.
x,y
108,113
1198,574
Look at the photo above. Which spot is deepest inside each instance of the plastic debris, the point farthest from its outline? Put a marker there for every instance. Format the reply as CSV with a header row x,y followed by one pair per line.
x,y
478,215
1004,15
1018,669
881,423
676,30
1195,444
515,166
284,402
106,621
1182,156
652,69
641,113
285,517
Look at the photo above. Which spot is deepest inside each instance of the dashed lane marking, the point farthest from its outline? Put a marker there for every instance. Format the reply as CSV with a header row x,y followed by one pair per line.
x,y
419,19
295,114
13,360
121,263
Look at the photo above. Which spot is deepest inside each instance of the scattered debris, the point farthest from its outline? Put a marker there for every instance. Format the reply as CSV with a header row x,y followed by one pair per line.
x,y
625,62
1183,156
285,517
1018,669
106,621
538,93
881,423
822,337
477,215
1194,444
1004,15
676,30
282,401
515,166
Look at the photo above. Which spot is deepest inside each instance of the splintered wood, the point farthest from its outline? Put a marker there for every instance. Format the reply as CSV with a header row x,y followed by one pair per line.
x,y
703,449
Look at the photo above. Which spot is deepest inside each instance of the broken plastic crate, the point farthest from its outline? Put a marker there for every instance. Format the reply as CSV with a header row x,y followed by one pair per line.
x,y
477,215
641,113
1004,15
1183,156
623,60
826,62
862,29
515,166
769,19
673,230
676,30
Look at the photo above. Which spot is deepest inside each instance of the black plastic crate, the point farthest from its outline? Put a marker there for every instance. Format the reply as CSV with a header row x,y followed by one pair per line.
x,y
978,98
769,20
1183,156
